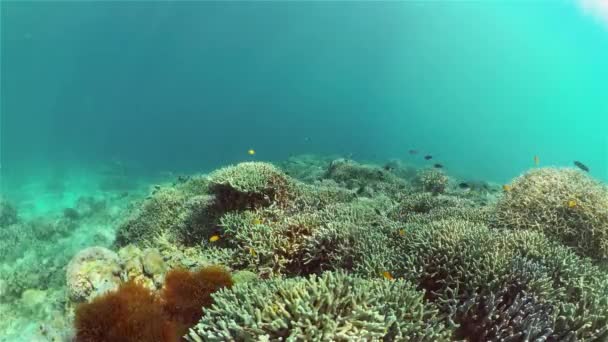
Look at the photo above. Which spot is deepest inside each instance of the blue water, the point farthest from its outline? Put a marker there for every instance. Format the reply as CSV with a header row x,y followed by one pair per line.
x,y
187,86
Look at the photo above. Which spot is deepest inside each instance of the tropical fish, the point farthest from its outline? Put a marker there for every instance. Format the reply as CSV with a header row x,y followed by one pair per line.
x,y
412,152
581,166
387,275
428,157
401,232
464,185
256,221
506,187
251,152
214,238
438,166
536,160
572,203
252,251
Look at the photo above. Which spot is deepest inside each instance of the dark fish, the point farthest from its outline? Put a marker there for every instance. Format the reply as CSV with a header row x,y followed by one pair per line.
x,y
464,185
412,152
581,166
428,157
388,167
438,166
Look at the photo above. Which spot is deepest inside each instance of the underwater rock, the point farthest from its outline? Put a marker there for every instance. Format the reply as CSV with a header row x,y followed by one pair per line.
x,y
92,272
153,262
131,260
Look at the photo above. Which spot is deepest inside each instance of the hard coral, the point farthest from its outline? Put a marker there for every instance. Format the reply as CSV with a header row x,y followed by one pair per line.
x,y
331,307
130,314
182,211
250,185
432,180
565,204
457,261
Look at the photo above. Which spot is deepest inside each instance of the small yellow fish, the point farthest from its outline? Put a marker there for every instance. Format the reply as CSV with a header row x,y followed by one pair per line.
x,y
256,221
387,275
214,238
506,187
536,160
401,232
252,251
251,152
572,204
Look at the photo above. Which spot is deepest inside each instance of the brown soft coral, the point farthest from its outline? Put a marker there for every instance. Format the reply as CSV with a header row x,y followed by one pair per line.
x,y
186,293
133,313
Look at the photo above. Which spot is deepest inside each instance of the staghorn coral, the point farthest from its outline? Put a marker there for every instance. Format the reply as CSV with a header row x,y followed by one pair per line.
x,y
455,261
431,180
331,307
183,212
540,200
157,213
426,207
250,185
342,235
510,314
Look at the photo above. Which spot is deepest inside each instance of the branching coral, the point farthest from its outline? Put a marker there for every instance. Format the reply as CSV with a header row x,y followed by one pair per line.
x,y
456,261
342,235
431,180
332,307
565,204
157,213
251,185
425,208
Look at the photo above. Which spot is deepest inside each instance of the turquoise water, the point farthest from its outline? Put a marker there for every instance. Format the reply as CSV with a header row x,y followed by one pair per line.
x,y
483,86
102,99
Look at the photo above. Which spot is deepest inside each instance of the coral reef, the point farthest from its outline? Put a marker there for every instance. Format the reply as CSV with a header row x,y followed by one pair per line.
x,y
331,307
431,180
250,185
565,204
318,249
8,213
366,180
182,211
457,261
